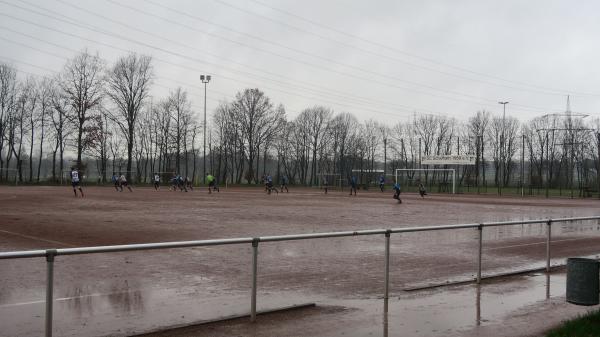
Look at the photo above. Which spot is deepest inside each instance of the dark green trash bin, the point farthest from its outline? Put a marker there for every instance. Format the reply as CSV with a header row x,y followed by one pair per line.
x,y
583,281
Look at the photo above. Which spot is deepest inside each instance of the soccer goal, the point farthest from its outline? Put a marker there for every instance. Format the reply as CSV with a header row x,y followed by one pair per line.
x,y
411,175
9,176
165,176
332,180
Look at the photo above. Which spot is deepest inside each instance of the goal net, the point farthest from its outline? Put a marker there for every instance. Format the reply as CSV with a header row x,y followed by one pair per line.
x,y
165,176
331,180
368,178
434,179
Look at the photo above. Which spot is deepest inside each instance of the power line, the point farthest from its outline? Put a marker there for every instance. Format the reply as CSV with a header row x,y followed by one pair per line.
x,y
311,55
9,59
343,95
86,26
373,53
121,37
412,55
184,83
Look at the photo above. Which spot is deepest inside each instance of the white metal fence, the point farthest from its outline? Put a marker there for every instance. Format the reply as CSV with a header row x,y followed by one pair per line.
x,y
51,254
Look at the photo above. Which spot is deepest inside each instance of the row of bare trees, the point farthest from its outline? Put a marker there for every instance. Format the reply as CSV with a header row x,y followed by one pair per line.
x,y
92,111
553,151
102,115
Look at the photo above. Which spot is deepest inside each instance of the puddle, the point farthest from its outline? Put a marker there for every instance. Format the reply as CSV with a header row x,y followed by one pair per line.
x,y
128,310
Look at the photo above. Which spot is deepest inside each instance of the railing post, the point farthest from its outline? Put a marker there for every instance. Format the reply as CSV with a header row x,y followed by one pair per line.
x,y
254,272
480,232
478,306
386,287
50,254
548,239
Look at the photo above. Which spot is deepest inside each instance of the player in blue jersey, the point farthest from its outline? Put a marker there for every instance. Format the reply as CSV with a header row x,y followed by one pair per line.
x,y
353,184
397,190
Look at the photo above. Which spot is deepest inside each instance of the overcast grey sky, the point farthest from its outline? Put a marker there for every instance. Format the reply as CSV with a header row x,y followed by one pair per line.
x,y
376,59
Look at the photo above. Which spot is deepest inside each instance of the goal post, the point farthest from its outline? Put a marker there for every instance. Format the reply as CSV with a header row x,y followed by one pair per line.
x,y
452,171
334,180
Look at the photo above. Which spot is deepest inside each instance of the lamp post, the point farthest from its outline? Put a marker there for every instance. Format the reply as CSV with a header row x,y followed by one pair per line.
x,y
501,182
205,79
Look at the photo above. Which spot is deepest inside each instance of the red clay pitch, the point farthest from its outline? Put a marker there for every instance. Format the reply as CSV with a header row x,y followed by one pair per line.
x,y
127,293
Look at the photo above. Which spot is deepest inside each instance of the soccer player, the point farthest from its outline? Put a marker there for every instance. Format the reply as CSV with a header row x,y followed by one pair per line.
x,y
216,185
397,190
353,184
210,179
188,183
181,184
75,181
156,181
115,180
174,181
422,190
123,182
325,184
269,185
284,184
381,182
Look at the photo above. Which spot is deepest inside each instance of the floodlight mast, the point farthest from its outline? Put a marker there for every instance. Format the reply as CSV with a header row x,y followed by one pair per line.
x,y
205,79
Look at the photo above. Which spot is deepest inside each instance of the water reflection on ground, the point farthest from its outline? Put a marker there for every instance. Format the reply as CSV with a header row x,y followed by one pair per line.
x,y
439,312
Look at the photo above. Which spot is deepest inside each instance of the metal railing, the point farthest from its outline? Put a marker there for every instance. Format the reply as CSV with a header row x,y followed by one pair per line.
x,y
51,254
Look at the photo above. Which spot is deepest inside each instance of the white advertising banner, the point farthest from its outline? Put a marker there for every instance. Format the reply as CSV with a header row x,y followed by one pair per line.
x,y
449,160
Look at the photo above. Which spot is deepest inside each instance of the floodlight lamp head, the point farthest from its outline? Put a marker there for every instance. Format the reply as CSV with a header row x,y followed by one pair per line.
x,y
207,78
201,77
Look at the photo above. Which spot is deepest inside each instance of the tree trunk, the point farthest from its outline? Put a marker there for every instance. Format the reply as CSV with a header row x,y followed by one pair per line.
x,y
129,153
31,153
79,144
41,150
54,162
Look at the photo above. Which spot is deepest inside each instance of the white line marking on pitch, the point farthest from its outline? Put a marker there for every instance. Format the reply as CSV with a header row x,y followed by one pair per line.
x,y
35,238
62,299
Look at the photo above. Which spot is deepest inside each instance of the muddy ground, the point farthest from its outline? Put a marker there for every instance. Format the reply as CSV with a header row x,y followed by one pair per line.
x,y
127,293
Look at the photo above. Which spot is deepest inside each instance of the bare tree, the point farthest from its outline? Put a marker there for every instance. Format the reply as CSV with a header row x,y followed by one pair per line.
x,y
256,118
45,105
179,111
344,128
316,120
18,124
128,83
99,137
478,126
61,128
8,83
372,140
32,109
81,82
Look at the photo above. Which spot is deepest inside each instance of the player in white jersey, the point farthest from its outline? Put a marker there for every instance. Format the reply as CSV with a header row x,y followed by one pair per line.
x,y
156,181
123,182
75,181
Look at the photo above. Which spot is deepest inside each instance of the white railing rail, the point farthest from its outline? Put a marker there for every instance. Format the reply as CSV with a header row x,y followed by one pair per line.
x,y
51,254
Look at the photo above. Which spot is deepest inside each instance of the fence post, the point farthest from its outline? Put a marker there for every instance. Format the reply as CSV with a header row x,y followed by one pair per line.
x,y
386,287
548,239
254,271
480,232
50,254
